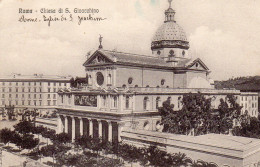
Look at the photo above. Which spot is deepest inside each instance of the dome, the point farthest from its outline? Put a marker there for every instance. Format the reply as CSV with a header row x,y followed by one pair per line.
x,y
170,31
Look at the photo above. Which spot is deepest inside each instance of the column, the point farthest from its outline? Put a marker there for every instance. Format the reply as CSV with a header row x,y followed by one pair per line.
x,y
59,130
81,126
66,124
99,128
90,128
73,128
110,132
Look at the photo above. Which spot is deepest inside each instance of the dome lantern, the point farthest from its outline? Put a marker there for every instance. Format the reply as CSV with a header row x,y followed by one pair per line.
x,y
169,13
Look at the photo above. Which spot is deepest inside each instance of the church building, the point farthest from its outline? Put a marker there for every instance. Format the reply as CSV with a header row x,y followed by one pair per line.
x,y
126,89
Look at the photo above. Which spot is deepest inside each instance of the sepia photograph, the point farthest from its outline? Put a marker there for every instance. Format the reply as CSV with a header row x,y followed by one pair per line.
x,y
129,83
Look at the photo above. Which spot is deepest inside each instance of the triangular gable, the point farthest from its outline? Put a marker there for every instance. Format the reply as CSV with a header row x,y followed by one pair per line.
x,y
197,65
97,58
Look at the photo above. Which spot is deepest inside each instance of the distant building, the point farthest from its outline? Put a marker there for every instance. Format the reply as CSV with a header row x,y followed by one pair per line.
x,y
249,101
31,92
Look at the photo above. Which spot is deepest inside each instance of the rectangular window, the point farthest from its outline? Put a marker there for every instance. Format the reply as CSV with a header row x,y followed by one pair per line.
x,y
59,84
29,90
10,89
54,89
34,83
16,90
35,90
54,102
29,102
16,95
23,102
40,84
54,96
29,95
3,83
49,84
16,83
40,89
23,83
3,95
23,90
22,95
35,96
40,96
3,102
65,84
29,83
49,102
16,102
35,102
40,102
10,95
54,83
10,83
3,89
49,89
49,96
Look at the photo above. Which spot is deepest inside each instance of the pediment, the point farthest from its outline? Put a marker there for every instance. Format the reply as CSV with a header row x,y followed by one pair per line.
x,y
97,58
198,65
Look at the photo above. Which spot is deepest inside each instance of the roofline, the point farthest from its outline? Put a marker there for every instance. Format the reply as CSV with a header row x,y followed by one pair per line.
x,y
33,80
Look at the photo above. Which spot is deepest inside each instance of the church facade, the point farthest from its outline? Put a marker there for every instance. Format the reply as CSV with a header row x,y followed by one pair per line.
x,y
126,89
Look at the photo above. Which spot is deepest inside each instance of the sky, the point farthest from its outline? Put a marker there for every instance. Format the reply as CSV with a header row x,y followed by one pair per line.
x,y
225,35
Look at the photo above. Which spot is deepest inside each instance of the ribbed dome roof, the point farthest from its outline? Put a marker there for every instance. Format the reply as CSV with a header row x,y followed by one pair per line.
x,y
170,31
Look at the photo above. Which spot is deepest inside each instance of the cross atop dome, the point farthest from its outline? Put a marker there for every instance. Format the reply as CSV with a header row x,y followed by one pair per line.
x,y
170,3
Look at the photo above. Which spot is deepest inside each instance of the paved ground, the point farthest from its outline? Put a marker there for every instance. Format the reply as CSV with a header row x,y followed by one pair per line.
x,y
7,124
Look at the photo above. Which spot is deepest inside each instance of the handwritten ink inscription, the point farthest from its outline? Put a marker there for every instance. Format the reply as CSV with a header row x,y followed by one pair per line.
x,y
51,16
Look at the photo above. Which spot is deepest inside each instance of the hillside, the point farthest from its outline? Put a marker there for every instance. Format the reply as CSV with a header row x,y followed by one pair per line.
x,y
249,84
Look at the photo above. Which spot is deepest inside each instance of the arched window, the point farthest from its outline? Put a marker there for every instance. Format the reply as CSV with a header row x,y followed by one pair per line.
x,y
127,99
146,103
158,99
136,86
147,86
109,79
89,80
124,86
146,125
115,101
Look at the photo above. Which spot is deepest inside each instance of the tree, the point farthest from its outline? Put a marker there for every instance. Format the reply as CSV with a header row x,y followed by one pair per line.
x,y
198,114
196,109
24,127
6,135
62,138
54,150
28,142
48,133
